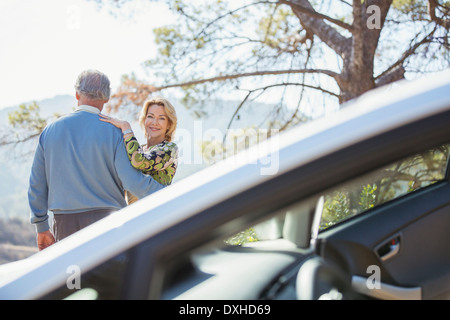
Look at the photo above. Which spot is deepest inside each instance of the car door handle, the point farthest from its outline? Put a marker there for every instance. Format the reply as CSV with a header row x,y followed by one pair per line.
x,y
393,250
390,248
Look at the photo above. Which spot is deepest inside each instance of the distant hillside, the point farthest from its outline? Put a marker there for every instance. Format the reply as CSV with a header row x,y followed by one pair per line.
x,y
17,240
58,104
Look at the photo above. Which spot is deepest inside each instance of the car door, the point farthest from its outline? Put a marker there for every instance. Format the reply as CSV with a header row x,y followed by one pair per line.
x,y
397,247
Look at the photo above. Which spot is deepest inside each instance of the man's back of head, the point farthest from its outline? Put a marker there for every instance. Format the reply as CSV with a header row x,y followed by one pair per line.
x,y
92,88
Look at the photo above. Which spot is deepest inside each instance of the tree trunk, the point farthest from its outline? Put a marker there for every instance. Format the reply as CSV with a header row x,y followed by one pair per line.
x,y
357,75
357,51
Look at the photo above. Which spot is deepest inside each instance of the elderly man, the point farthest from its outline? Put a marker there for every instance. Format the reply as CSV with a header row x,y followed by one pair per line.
x,y
81,169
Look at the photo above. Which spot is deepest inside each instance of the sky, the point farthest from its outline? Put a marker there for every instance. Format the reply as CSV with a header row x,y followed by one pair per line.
x,y
45,44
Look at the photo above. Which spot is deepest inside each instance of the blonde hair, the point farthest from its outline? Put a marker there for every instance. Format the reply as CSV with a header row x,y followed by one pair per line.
x,y
168,108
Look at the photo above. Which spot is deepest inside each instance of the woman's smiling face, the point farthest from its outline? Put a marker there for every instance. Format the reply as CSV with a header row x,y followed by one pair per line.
x,y
156,124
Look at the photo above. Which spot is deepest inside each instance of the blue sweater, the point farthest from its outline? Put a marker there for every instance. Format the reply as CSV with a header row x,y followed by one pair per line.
x,y
81,164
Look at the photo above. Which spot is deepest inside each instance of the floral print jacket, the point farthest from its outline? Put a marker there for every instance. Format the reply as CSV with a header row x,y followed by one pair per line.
x,y
159,161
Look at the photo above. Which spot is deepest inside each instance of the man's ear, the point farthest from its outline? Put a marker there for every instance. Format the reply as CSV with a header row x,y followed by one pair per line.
x,y
77,95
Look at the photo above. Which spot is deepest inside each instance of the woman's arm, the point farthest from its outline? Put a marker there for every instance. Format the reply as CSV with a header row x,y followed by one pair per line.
x,y
160,161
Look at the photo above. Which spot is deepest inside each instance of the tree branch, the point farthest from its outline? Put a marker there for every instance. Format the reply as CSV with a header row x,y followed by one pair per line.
x,y
137,91
243,75
315,24
5,142
432,6
396,70
250,92
229,13
394,74
314,14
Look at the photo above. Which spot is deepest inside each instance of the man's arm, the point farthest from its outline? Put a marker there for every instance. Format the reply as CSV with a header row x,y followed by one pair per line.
x,y
38,192
37,198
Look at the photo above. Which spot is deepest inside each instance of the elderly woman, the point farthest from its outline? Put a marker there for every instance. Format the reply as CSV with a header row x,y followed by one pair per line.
x,y
159,157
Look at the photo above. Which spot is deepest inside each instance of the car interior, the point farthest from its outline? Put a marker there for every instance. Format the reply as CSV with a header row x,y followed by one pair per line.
x,y
381,235
391,245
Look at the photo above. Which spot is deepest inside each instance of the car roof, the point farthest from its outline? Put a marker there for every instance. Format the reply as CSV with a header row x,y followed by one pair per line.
x,y
372,114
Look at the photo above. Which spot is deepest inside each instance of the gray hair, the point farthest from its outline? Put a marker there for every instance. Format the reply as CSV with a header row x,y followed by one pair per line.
x,y
93,84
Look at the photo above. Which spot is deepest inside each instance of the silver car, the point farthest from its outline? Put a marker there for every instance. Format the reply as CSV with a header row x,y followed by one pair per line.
x,y
352,206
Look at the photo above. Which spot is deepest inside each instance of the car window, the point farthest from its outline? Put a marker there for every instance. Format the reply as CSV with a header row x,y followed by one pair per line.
x,y
362,194
385,184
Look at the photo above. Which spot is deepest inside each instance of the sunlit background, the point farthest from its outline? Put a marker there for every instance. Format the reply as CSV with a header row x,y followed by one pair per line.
x,y
45,44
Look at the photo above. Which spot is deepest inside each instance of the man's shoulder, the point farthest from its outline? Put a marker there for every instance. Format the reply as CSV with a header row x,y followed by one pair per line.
x,y
57,122
80,120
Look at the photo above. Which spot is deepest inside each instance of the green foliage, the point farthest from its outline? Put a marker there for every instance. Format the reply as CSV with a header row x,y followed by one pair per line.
x,y
368,197
25,124
166,37
336,208
385,184
280,31
417,10
409,5
338,205
27,117
246,236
